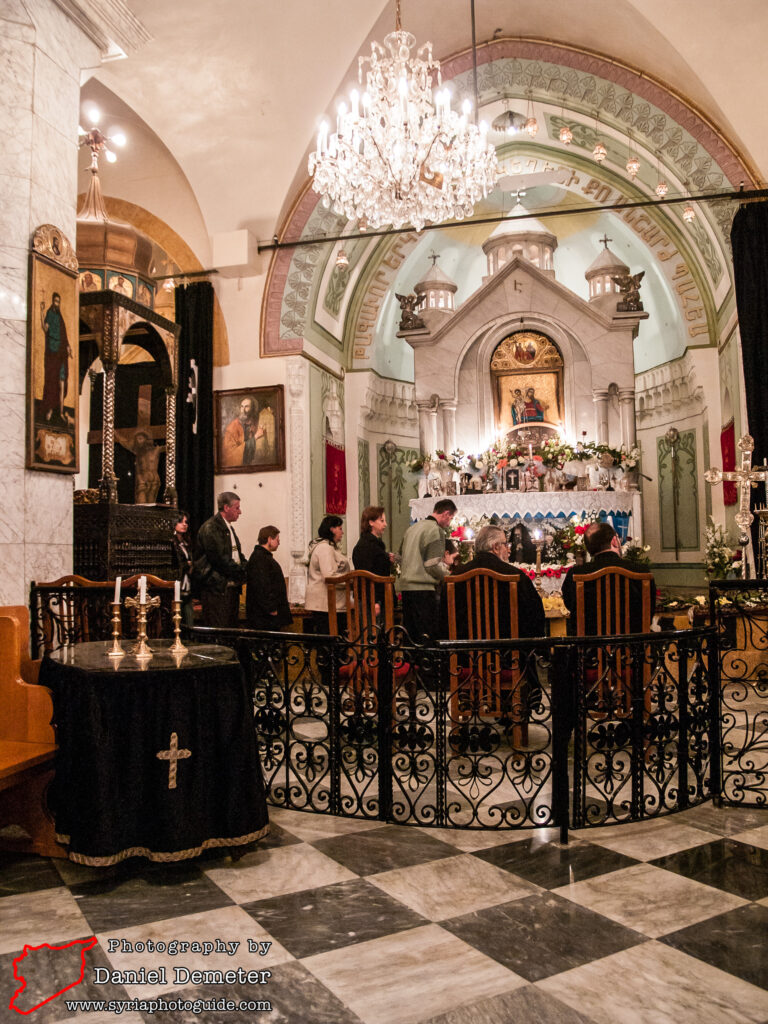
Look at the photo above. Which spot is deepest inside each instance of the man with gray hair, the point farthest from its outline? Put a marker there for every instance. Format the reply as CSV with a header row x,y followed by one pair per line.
x,y
219,570
492,552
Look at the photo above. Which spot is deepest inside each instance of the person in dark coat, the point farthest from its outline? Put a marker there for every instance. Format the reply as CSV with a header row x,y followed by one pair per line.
x,y
369,553
604,547
182,556
266,598
492,552
218,570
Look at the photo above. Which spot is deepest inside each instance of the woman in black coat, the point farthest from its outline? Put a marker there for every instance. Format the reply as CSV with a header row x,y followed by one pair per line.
x,y
370,553
182,554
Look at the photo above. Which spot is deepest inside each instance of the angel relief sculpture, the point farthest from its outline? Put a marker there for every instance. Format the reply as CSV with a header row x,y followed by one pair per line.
x,y
629,286
409,306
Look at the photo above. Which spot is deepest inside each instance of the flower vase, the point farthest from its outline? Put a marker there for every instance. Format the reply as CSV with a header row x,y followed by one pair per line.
x,y
631,479
551,479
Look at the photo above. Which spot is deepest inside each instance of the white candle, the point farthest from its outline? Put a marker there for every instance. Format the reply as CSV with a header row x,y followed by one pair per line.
x,y
530,452
118,584
177,591
142,590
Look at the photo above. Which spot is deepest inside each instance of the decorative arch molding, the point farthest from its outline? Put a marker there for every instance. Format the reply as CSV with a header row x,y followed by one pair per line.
x,y
537,63
692,147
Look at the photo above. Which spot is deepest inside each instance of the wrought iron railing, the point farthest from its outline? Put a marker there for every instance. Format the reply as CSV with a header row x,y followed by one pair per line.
x,y
511,734
740,612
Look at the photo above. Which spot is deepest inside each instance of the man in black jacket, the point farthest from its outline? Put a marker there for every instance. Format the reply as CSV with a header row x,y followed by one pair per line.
x,y
604,546
266,598
219,568
492,552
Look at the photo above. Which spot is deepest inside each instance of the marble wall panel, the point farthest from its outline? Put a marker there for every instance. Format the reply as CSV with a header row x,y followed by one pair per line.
x,y
14,210
13,345
59,37
17,62
13,281
56,96
50,208
12,506
12,587
48,507
16,21
45,563
15,142
54,160
12,420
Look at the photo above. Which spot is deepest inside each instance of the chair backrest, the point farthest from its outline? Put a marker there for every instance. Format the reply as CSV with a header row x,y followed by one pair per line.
x,y
613,601
73,609
361,590
482,605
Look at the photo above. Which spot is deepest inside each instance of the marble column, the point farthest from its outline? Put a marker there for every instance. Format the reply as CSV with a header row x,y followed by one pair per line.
x,y
427,426
299,446
41,54
627,413
448,410
601,398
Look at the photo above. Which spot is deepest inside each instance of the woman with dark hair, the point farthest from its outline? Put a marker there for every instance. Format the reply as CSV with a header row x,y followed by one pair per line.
x,y
325,559
182,554
370,553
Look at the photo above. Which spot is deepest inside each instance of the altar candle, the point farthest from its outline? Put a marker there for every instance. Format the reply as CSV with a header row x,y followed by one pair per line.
x,y
530,452
142,590
177,591
118,583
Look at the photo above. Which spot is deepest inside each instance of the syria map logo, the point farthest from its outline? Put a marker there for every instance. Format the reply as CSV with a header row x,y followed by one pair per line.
x,y
29,951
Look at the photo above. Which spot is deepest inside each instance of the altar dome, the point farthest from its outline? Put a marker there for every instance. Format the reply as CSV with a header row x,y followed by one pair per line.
x,y
520,236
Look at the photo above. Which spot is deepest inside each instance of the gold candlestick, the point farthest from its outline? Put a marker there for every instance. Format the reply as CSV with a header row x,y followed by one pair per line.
x,y
177,647
142,648
116,651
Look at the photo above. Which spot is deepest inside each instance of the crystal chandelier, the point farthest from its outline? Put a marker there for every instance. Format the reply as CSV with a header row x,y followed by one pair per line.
x,y
398,155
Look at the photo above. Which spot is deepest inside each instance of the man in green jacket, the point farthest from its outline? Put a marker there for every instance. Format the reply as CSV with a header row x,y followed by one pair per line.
x,y
422,569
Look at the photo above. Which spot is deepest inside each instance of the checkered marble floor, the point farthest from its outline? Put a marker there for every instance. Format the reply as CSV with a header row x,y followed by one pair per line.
x,y
654,923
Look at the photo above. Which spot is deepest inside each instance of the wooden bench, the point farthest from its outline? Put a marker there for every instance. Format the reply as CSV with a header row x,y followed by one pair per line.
x,y
27,744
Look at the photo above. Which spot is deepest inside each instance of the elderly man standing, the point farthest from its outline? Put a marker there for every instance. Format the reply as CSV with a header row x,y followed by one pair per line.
x,y
423,567
219,567
492,552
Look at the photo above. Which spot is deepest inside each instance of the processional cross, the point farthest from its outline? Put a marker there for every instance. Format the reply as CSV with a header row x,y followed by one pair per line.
x,y
745,477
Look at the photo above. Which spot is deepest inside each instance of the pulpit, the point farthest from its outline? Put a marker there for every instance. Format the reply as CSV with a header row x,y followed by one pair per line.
x,y
122,540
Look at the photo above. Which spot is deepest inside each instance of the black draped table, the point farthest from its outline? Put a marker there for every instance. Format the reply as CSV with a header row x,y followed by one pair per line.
x,y
156,758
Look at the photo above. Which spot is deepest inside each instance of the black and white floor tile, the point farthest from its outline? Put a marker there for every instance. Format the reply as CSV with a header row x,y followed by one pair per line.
x,y
663,922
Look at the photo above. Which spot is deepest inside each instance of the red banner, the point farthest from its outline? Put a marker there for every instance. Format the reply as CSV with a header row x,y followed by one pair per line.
x,y
728,451
335,480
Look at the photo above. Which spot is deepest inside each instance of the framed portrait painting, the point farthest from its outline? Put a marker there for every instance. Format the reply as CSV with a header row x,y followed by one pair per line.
x,y
52,350
250,430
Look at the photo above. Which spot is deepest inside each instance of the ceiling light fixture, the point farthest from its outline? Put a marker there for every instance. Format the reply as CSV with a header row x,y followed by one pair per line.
x,y
661,186
399,155
599,153
531,124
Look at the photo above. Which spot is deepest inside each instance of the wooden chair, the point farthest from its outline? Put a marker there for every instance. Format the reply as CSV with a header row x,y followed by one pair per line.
x,y
73,609
361,673
27,743
482,605
609,593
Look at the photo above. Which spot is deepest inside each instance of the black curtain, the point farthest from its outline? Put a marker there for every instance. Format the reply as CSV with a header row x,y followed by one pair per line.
x,y
194,405
749,239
